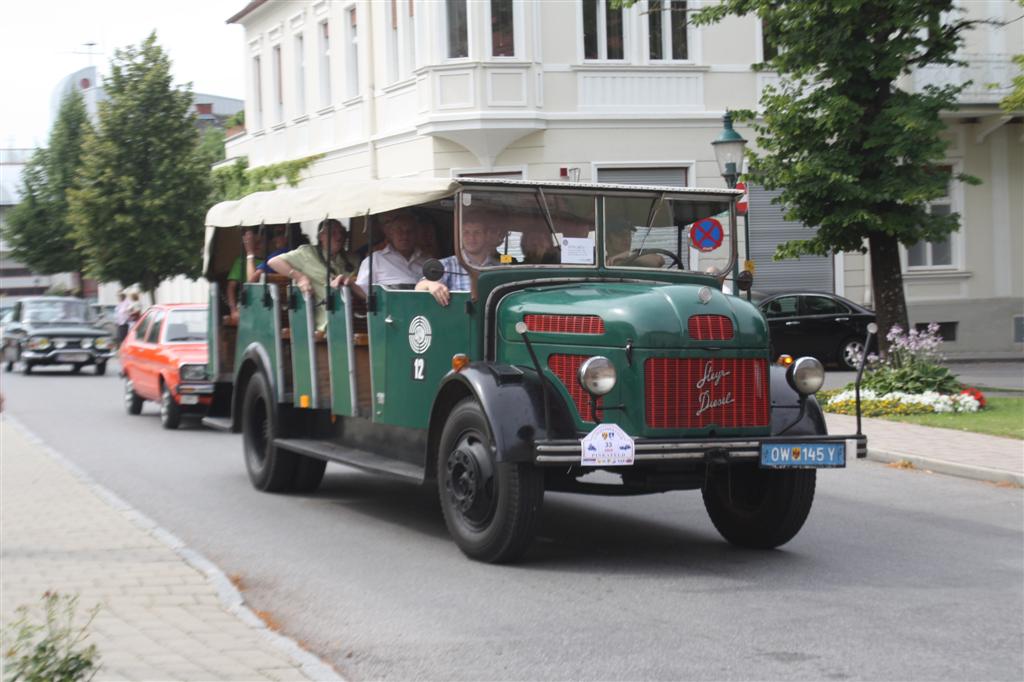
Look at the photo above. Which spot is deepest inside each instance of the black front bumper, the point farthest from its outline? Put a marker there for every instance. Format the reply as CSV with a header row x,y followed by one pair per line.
x,y
568,451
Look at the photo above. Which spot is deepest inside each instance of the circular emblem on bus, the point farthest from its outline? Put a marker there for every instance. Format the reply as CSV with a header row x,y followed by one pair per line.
x,y
419,334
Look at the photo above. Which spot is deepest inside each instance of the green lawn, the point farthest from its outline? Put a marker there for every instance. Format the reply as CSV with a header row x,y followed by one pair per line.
x,y
1001,417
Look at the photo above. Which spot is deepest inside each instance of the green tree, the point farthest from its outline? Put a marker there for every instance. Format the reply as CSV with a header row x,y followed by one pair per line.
x,y
39,232
1015,100
138,211
855,153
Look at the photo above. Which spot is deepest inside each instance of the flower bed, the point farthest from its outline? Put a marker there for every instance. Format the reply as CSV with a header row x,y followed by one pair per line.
x,y
873,404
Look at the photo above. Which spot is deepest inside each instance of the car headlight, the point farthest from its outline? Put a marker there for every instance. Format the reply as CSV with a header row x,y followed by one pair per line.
x,y
806,375
38,343
101,343
597,375
60,343
86,342
192,372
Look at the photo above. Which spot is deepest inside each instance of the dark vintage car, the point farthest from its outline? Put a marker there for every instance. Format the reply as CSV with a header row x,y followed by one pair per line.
x,y
828,327
54,330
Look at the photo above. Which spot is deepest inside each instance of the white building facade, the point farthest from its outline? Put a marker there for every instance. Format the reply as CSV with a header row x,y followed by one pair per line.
x,y
577,89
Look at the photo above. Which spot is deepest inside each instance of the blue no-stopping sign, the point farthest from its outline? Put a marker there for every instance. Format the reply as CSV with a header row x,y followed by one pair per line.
x,y
707,234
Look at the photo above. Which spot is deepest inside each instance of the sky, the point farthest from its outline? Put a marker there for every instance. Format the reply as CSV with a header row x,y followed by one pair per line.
x,y
40,41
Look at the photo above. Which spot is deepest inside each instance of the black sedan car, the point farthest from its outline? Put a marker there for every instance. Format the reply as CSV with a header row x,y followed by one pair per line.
x,y
829,327
54,330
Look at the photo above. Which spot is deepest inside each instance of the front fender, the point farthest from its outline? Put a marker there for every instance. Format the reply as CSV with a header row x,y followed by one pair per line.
x,y
512,398
254,359
786,409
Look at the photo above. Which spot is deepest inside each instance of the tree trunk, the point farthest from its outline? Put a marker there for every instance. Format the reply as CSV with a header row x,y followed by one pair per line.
x,y
887,277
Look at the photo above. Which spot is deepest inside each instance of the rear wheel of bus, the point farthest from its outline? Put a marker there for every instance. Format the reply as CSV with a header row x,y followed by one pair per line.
x,y
491,508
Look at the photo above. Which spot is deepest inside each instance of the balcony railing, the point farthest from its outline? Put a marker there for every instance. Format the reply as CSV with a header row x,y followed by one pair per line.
x,y
990,77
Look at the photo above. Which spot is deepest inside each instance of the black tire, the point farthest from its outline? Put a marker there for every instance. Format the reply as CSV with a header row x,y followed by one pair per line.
x,y
101,368
270,469
26,368
849,353
75,369
132,400
758,508
309,472
170,411
491,508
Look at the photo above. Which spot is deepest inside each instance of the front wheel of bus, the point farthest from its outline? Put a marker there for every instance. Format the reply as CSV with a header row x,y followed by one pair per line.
x,y
491,508
270,469
758,508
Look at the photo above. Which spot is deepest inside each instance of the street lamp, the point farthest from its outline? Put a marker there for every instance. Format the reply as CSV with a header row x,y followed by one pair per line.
x,y
729,151
729,155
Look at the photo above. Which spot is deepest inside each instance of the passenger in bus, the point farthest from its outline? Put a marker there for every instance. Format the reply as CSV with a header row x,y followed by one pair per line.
x,y
478,244
277,243
242,270
307,265
401,261
619,250
538,248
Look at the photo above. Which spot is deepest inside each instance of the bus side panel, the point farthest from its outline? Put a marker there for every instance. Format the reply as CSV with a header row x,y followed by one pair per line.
x,y
412,341
258,323
302,378
339,341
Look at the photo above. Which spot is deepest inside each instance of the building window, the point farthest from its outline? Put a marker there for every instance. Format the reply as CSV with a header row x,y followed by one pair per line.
x,y
457,29
300,75
666,30
934,254
324,31
257,94
769,49
401,39
275,65
393,41
602,30
410,37
503,37
353,54
947,330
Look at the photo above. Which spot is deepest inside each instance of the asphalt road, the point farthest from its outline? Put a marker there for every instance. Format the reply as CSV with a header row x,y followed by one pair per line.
x,y
897,574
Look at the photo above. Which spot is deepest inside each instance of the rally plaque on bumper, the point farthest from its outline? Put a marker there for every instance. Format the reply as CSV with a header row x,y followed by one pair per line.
x,y
803,455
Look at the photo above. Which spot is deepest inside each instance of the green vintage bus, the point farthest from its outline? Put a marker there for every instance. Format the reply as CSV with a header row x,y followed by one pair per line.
x,y
597,338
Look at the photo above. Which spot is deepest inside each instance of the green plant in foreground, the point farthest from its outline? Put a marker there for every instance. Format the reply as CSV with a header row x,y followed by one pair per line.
x,y
54,651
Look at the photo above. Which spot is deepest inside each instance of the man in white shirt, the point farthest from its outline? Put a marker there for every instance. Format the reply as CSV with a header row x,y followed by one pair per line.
x,y
400,262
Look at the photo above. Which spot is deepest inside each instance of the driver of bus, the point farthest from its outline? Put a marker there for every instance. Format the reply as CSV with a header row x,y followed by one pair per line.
x,y
619,250
478,249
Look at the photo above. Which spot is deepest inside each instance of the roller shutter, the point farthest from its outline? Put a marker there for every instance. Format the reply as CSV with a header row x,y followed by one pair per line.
x,y
768,229
671,176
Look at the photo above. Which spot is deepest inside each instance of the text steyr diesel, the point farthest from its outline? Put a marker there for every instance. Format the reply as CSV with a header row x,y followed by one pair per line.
x,y
592,334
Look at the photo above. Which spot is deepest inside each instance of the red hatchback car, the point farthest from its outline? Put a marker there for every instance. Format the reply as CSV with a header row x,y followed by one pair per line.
x,y
163,359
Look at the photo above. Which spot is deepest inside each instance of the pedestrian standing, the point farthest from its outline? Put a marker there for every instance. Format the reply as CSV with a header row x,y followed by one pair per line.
x,y
121,316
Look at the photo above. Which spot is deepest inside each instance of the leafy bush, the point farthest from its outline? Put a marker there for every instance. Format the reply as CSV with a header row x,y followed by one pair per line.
x,y
51,652
912,365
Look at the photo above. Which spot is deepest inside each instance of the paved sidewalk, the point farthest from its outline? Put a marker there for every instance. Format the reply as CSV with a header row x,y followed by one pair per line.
x,y
946,451
166,613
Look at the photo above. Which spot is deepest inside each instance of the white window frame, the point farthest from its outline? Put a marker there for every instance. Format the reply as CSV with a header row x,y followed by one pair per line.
x,y
352,90
518,32
956,239
257,91
666,35
602,32
401,40
299,55
470,37
689,164
323,48
277,86
481,171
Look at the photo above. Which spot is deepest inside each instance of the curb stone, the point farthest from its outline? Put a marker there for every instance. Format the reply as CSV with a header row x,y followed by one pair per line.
x,y
949,468
229,595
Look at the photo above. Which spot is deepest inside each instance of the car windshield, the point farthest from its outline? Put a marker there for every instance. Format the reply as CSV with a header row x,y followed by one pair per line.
x,y
44,312
185,326
522,228
646,232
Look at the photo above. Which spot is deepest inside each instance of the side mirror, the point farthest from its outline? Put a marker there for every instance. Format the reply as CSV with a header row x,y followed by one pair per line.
x,y
745,280
433,269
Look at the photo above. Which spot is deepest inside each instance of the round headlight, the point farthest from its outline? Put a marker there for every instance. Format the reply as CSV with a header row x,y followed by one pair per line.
x,y
807,375
38,342
60,343
87,342
597,375
102,342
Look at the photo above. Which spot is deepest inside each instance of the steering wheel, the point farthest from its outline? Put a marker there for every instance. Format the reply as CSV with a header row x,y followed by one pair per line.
x,y
636,254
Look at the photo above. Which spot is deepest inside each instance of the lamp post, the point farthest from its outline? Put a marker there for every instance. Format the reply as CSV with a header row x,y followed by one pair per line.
x,y
729,148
